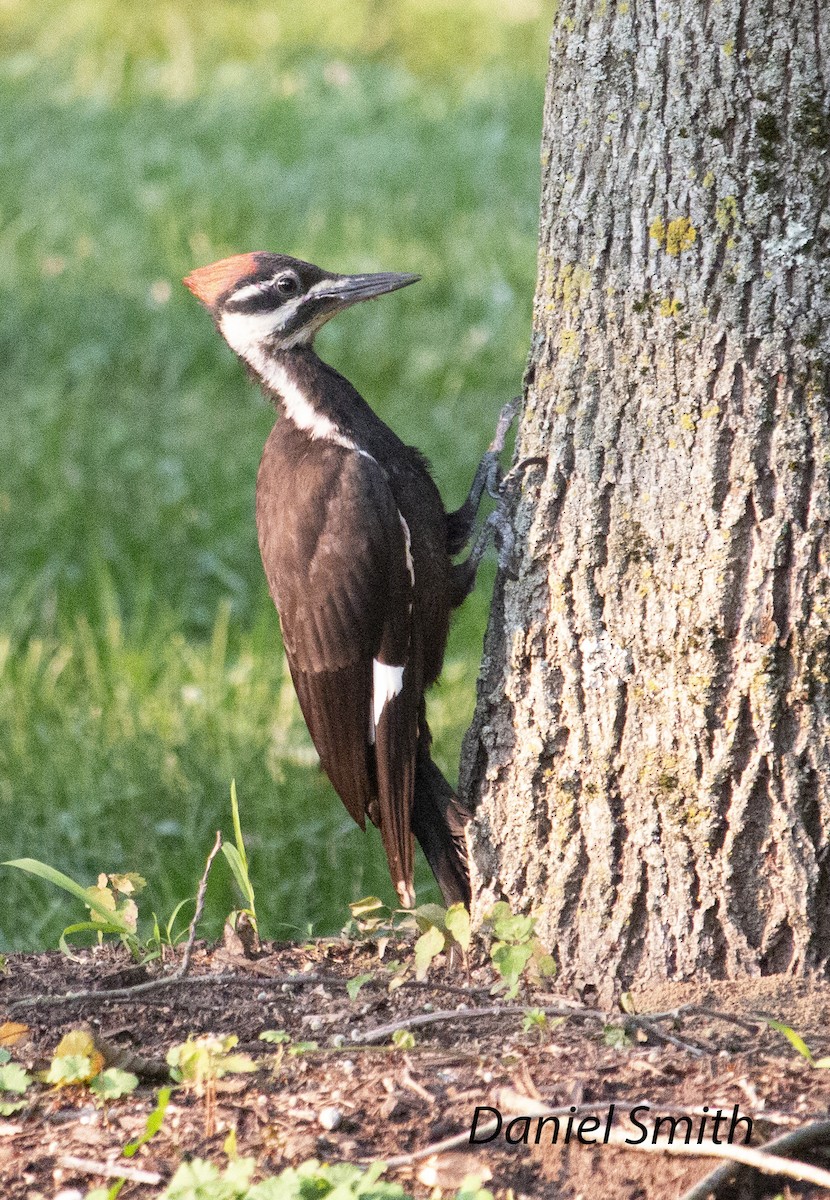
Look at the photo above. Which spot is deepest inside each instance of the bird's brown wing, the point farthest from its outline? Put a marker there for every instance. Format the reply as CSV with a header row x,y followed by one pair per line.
x,y
338,565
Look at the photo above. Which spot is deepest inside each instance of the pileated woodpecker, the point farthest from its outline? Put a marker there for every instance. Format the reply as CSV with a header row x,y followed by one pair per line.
x,y
358,549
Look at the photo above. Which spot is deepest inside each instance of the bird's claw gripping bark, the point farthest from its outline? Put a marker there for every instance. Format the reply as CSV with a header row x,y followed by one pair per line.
x,y
493,478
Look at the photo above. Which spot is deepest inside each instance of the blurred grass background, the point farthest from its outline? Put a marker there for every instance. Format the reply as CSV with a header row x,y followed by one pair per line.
x,y
140,663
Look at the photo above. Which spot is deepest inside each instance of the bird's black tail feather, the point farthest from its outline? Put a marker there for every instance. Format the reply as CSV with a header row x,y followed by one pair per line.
x,y
438,821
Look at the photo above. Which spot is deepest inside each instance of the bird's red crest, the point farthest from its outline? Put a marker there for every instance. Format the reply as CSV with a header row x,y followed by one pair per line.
x,y
209,283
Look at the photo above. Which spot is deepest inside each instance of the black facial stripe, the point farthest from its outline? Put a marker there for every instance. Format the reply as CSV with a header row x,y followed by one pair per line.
x,y
265,300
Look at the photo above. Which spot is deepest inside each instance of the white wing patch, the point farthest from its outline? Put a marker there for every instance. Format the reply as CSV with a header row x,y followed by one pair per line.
x,y
387,683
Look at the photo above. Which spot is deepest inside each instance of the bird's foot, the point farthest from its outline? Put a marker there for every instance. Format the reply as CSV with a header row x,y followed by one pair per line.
x,y
493,478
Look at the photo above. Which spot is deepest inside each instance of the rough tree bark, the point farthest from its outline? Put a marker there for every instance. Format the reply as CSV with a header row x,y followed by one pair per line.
x,y
651,747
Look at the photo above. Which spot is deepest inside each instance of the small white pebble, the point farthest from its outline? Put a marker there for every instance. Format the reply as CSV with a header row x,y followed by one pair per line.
x,y
262,996
69,1194
337,1040
348,1066
330,1117
487,1077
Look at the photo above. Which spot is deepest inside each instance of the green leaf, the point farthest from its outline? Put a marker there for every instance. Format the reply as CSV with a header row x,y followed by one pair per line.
x,y
109,1193
404,1039
353,986
169,927
534,1018
113,1083
237,826
9,1107
128,884
274,1035
510,961
458,924
70,1068
430,914
302,1048
152,1125
240,872
796,1041
616,1036
368,904
428,945
43,871
13,1078
513,929
194,1180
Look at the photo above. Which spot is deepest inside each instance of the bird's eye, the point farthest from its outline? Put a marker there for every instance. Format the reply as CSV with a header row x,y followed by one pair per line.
x,y
287,285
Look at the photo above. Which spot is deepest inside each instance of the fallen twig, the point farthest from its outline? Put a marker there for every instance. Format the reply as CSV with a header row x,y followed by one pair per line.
x,y
817,1133
48,999
650,1026
109,1170
381,1032
200,906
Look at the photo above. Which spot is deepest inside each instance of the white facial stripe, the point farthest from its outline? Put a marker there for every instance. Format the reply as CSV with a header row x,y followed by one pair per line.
x,y
387,683
245,333
252,289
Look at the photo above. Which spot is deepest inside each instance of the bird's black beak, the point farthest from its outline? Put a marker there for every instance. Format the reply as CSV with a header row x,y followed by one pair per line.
x,y
344,290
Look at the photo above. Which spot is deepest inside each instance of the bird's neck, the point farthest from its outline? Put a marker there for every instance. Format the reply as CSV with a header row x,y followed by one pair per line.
x,y
316,399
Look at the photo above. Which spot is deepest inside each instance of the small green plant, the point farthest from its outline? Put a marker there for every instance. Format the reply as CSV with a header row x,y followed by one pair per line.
x,y
370,918
14,1081
152,1125
280,1039
617,1037
168,935
274,1036
199,1062
112,911
78,1061
201,1180
112,906
535,1020
515,950
354,985
237,859
797,1042
442,930
403,1039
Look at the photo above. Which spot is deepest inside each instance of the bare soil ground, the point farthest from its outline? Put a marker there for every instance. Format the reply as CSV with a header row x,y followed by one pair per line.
x,y
394,1104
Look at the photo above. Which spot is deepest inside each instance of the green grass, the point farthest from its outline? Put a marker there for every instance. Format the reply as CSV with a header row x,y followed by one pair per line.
x,y
140,663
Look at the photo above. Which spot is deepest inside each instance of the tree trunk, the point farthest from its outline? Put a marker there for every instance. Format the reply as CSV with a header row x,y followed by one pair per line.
x,y
651,749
